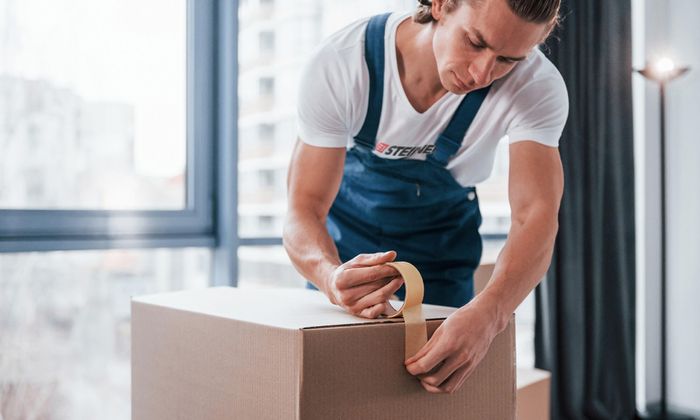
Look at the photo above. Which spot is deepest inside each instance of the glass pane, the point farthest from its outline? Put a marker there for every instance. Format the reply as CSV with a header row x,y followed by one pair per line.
x,y
525,332
493,196
274,39
65,327
91,95
266,267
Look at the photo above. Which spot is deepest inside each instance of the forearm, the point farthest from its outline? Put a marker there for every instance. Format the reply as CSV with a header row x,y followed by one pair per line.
x,y
521,264
310,247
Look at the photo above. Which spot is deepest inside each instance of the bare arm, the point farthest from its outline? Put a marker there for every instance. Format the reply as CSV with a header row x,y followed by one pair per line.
x,y
462,340
312,184
363,284
536,183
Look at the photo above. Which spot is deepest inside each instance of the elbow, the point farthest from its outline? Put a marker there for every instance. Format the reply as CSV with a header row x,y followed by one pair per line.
x,y
549,216
542,220
554,229
296,223
550,223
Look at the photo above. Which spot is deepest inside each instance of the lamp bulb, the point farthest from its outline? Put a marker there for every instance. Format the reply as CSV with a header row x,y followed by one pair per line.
x,y
664,66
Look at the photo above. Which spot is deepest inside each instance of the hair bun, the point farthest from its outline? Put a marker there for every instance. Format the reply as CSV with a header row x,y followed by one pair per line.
x,y
426,2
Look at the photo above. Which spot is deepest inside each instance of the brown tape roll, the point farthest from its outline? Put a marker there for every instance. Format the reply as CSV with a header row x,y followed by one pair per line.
x,y
412,309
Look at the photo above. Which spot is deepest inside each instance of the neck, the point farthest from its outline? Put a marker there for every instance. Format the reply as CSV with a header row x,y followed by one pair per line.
x,y
416,62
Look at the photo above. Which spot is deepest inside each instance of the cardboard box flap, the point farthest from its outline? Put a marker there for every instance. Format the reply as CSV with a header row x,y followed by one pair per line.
x,y
282,308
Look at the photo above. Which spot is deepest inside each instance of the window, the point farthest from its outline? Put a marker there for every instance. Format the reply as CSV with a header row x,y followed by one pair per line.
x,y
267,42
266,132
94,127
266,86
104,124
65,337
107,132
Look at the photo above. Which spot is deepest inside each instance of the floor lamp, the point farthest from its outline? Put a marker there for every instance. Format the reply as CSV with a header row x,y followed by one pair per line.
x,y
663,71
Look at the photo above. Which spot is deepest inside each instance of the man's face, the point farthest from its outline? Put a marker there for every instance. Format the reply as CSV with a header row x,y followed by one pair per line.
x,y
475,45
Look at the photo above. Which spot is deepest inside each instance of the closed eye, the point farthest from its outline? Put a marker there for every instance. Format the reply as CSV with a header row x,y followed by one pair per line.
x,y
475,46
506,60
479,47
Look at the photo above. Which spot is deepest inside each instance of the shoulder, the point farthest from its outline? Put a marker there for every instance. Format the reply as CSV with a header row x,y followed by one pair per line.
x,y
348,37
325,96
346,46
535,79
535,101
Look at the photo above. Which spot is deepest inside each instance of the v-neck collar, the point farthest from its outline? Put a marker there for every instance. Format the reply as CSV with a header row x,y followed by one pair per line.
x,y
396,77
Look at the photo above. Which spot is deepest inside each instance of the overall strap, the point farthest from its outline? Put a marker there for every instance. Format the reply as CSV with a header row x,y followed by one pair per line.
x,y
451,139
374,56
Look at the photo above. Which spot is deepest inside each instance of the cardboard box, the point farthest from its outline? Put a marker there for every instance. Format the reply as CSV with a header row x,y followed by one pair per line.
x,y
532,400
227,353
533,385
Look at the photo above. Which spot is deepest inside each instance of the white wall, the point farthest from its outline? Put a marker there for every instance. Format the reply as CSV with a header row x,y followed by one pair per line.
x,y
684,209
669,28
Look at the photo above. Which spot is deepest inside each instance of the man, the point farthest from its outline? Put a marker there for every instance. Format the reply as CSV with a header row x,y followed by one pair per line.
x,y
398,119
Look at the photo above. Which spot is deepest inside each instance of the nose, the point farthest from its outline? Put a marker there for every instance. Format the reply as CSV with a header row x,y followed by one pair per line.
x,y
481,68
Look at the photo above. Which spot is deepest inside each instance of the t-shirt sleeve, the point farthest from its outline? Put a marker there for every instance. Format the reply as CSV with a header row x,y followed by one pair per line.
x,y
540,112
322,103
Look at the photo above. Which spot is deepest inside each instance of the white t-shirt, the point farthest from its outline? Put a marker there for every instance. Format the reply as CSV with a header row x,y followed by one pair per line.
x,y
529,103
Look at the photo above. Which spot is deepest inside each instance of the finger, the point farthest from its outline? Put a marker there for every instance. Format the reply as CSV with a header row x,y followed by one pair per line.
x,y
427,362
455,381
359,276
353,277
423,350
350,296
435,338
380,295
373,259
430,388
442,373
365,289
389,309
373,311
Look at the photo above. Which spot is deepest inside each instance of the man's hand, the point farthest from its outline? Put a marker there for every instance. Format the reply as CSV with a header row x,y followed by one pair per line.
x,y
454,350
363,285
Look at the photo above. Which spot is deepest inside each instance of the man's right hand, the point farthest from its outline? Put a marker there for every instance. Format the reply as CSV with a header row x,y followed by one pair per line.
x,y
363,285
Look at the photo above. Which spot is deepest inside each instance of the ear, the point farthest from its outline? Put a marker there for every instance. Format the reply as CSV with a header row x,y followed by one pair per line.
x,y
549,28
437,9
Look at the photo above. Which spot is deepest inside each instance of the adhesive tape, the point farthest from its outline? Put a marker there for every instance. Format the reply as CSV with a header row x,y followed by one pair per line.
x,y
412,309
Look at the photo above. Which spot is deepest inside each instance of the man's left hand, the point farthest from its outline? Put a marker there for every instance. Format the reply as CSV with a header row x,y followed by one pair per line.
x,y
454,350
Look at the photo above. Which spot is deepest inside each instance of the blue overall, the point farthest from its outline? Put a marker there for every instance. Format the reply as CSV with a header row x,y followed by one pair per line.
x,y
411,206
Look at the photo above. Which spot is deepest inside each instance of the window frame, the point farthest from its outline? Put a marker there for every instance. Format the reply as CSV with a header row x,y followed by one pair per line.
x,y
25,230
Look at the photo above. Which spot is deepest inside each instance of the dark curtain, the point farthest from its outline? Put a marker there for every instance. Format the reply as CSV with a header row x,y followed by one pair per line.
x,y
585,323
